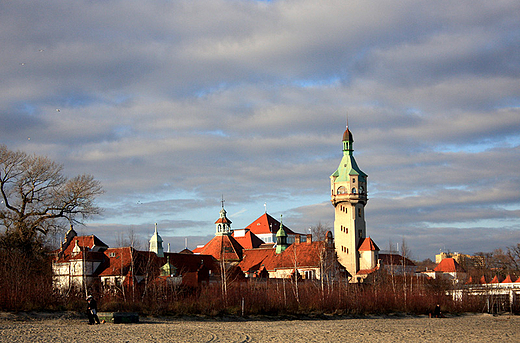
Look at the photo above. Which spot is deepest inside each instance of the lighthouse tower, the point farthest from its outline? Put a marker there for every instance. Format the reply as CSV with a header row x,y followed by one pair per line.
x,y
348,186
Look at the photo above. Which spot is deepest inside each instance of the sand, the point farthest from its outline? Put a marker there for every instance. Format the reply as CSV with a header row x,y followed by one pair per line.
x,y
72,328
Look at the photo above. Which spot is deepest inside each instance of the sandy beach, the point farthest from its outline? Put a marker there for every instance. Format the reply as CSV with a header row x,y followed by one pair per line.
x,y
71,328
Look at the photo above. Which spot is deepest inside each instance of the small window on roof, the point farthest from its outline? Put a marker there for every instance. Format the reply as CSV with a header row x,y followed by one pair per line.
x,y
112,254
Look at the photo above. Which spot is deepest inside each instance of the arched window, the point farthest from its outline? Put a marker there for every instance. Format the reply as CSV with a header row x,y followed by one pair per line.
x,y
354,190
341,190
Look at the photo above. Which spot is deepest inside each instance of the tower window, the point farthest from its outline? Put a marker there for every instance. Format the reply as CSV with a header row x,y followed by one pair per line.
x,y
359,212
353,190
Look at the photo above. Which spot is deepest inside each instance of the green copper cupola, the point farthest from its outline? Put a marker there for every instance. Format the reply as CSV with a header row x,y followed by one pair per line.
x,y
281,239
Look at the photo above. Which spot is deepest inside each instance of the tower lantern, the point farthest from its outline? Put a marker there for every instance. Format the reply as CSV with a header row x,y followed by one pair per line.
x,y
223,224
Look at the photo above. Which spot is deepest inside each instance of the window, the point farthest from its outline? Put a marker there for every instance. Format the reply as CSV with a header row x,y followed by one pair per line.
x,y
112,254
359,212
354,190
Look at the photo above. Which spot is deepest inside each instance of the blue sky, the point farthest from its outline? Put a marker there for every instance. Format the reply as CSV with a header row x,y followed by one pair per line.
x,y
174,104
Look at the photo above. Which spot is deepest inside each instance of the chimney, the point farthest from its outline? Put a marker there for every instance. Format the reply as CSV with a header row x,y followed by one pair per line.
x,y
309,238
296,239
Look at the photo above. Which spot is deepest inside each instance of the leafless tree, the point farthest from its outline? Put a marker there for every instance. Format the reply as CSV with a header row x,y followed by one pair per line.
x,y
36,198
319,231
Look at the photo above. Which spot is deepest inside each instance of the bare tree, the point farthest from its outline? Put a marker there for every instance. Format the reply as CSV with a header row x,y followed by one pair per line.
x,y
319,231
36,198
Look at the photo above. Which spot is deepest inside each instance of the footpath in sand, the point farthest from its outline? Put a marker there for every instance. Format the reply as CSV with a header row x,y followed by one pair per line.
x,y
69,328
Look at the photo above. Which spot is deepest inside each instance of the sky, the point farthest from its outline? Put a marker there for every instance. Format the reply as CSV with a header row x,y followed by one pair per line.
x,y
174,105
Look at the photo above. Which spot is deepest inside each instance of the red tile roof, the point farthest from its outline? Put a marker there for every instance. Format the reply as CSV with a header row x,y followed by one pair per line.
x,y
257,259
508,279
304,255
368,245
249,240
449,265
223,246
121,261
482,280
267,224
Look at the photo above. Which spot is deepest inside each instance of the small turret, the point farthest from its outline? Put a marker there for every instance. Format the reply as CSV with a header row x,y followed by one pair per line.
x,y
156,243
223,224
281,239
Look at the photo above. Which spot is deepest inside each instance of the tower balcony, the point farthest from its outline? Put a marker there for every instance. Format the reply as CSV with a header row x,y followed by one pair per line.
x,y
353,198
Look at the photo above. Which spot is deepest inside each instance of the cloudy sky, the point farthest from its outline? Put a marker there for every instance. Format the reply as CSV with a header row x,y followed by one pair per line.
x,y
174,104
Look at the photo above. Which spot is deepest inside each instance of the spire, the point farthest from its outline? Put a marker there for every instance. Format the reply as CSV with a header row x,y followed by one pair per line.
x,y
156,243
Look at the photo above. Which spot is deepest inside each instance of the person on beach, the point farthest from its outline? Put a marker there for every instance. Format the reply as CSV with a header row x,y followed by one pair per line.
x,y
437,311
92,310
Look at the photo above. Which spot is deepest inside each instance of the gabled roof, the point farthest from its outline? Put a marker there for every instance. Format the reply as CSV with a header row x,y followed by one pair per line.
x,y
266,224
508,279
301,255
449,265
249,240
223,246
368,245
257,259
89,241
85,244
482,280
126,261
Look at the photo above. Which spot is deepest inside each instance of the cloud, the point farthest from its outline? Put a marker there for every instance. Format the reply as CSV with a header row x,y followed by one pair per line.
x,y
174,104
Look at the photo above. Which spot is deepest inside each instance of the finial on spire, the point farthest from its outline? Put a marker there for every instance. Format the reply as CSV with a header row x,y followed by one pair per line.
x,y
347,119
155,227
265,207
222,201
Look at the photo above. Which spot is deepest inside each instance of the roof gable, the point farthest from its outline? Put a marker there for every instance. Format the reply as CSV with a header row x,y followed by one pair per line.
x,y
368,245
266,224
